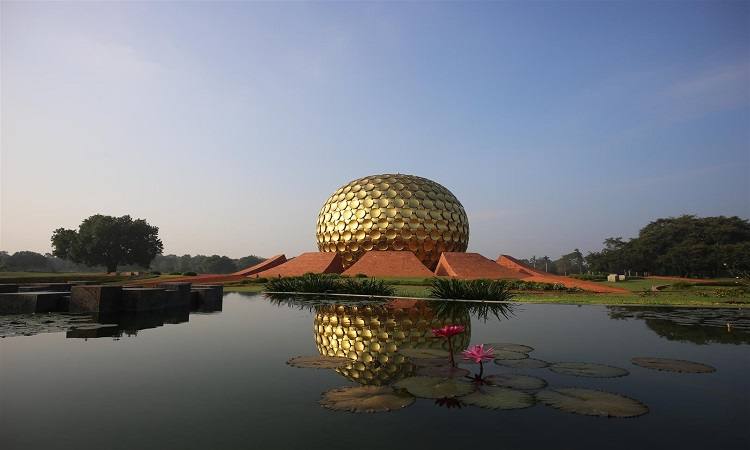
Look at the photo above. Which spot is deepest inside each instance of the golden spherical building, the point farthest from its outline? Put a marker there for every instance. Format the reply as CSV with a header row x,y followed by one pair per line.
x,y
392,212
371,337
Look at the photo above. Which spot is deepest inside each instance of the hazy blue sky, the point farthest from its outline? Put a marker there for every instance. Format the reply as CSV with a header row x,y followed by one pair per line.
x,y
228,125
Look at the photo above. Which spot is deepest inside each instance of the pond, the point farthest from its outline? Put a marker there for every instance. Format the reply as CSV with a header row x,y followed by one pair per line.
x,y
221,379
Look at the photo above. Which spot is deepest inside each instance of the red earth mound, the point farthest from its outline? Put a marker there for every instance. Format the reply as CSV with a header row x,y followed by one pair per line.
x,y
472,266
389,264
311,262
263,265
540,276
222,278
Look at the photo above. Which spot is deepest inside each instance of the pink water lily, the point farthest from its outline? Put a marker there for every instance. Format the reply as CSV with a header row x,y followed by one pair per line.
x,y
448,331
478,353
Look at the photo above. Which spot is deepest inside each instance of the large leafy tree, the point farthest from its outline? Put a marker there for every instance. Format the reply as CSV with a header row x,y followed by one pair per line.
x,y
685,245
108,241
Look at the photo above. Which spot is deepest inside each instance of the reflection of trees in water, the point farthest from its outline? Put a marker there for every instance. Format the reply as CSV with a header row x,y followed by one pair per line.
x,y
699,326
90,326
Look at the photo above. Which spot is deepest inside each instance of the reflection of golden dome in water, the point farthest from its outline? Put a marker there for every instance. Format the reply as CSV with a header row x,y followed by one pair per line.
x,y
392,212
372,335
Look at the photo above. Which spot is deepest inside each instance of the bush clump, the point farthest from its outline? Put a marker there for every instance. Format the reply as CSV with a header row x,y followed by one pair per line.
x,y
330,284
175,273
451,288
189,274
518,285
589,276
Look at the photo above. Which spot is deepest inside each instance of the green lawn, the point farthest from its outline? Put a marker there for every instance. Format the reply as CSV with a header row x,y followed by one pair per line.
x,y
61,277
419,287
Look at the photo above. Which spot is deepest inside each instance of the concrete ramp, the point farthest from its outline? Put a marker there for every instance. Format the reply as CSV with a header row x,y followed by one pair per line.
x,y
389,264
263,265
472,266
311,262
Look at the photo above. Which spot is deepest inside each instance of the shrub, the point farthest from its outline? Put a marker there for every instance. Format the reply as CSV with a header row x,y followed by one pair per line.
x,y
367,286
189,274
360,275
155,272
589,277
331,284
451,288
175,273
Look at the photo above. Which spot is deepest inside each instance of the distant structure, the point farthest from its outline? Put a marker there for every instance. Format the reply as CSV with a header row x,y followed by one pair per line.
x,y
393,212
395,225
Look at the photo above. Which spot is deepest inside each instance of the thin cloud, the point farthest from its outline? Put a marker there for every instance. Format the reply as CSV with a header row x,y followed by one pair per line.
x,y
718,89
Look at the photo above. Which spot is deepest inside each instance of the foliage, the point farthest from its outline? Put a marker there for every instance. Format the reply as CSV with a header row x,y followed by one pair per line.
x,y
686,246
330,283
108,241
520,285
203,263
589,276
258,280
451,288
24,261
189,274
366,286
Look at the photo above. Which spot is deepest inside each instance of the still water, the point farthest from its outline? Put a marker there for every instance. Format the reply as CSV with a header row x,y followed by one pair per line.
x,y
221,379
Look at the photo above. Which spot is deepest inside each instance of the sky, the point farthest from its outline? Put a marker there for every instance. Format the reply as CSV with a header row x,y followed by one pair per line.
x,y
228,125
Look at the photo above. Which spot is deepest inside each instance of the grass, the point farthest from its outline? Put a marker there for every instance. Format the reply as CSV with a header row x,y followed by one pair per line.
x,y
635,285
420,288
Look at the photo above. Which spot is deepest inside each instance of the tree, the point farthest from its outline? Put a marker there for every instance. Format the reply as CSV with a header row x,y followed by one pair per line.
x,y
108,241
572,262
219,264
685,246
25,260
248,261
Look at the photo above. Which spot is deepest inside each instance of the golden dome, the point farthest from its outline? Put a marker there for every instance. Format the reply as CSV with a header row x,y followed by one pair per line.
x,y
392,212
371,337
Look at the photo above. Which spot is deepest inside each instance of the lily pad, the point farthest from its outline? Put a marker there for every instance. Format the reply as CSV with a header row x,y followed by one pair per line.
x,y
318,362
365,399
510,347
442,371
591,370
508,354
494,397
435,387
528,363
513,381
591,402
423,353
672,365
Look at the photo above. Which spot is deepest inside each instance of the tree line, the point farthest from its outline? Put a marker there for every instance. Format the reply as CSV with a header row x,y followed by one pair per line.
x,y
686,246
27,261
